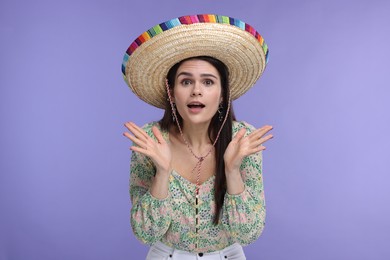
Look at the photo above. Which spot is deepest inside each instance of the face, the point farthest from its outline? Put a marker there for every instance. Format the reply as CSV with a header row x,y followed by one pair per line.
x,y
197,91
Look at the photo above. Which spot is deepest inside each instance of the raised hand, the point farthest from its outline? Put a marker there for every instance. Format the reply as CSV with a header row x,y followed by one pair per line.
x,y
158,151
241,146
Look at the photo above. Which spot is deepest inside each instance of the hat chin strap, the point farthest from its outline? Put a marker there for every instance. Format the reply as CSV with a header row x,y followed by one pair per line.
x,y
200,159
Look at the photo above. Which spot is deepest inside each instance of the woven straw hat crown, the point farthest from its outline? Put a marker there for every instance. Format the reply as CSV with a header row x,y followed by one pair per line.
x,y
238,45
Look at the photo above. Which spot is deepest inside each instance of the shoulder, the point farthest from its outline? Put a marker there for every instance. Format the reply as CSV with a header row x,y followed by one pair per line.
x,y
148,129
237,125
148,126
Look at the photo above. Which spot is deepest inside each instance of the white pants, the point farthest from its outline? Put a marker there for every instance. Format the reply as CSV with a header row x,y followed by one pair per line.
x,y
160,251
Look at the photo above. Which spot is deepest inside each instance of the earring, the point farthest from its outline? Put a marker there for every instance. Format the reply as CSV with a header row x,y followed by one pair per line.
x,y
220,112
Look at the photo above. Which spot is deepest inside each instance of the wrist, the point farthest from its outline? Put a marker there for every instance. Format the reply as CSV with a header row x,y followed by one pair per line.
x,y
164,170
232,170
234,183
163,173
160,185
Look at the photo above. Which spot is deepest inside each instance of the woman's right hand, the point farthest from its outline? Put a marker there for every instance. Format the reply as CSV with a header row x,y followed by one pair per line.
x,y
158,151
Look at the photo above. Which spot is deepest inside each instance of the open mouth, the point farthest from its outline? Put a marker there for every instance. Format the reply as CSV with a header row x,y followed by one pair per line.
x,y
195,105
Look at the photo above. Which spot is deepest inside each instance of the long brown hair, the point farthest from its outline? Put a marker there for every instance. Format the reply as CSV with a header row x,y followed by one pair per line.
x,y
226,133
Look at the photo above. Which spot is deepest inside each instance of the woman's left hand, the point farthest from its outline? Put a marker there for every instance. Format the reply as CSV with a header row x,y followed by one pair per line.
x,y
242,146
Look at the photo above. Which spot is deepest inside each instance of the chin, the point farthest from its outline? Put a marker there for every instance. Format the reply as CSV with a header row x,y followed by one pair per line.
x,y
197,121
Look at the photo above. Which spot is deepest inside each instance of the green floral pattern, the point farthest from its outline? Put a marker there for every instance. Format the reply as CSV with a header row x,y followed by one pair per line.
x,y
172,220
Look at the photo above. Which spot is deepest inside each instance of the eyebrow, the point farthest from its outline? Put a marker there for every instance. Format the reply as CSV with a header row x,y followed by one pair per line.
x,y
204,75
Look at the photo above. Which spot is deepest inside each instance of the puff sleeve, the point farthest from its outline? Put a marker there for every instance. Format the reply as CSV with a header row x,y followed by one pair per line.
x,y
150,217
243,215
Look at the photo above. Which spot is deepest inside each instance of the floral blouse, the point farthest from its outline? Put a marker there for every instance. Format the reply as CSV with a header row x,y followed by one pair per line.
x,y
172,220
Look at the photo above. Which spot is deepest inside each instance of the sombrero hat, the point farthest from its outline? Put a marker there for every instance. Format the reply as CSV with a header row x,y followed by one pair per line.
x,y
237,44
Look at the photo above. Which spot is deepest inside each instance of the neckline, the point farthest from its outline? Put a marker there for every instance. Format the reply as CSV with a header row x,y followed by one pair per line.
x,y
166,135
176,173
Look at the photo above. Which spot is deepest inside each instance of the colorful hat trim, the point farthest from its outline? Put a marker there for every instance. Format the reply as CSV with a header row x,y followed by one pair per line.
x,y
192,19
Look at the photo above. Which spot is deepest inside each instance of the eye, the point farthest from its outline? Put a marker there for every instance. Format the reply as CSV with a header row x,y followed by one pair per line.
x,y
186,82
208,82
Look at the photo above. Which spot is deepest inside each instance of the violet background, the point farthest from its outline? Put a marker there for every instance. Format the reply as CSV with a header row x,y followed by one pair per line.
x,y
64,164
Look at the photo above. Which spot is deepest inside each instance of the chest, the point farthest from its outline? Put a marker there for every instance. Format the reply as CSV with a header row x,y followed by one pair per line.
x,y
185,164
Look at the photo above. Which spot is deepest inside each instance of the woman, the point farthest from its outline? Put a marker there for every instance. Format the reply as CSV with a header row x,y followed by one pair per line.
x,y
196,181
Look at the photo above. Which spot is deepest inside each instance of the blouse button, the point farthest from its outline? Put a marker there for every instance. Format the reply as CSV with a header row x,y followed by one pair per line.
x,y
200,254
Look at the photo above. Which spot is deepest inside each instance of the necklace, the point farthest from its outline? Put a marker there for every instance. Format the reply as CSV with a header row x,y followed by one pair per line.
x,y
200,159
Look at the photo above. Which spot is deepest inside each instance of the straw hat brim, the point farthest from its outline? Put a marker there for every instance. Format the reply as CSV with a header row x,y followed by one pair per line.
x,y
145,70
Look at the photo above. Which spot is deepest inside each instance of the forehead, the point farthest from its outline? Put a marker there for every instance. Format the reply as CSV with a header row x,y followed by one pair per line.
x,y
197,66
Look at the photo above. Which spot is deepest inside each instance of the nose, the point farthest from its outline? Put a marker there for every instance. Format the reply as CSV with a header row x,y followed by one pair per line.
x,y
196,91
